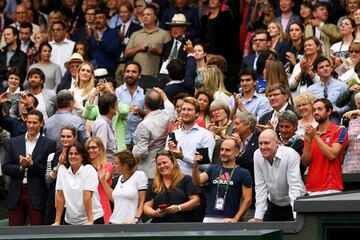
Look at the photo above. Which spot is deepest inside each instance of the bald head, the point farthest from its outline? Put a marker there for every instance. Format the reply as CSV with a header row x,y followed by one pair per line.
x,y
152,100
268,144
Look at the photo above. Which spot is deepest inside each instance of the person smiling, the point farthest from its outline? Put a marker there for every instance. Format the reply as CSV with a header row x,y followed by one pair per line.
x,y
76,186
172,196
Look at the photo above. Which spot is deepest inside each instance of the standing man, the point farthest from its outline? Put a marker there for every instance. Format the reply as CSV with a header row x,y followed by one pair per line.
x,y
126,29
104,43
145,46
323,149
190,136
277,179
25,42
25,162
248,100
103,126
150,135
12,56
328,87
61,46
230,186
131,94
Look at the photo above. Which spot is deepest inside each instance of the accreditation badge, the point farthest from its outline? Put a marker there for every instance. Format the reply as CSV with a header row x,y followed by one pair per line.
x,y
219,204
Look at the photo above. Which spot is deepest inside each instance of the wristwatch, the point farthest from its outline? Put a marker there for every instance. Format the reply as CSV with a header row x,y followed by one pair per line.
x,y
179,208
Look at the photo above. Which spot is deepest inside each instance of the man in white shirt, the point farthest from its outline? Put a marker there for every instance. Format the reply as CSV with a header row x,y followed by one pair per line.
x,y
277,179
61,46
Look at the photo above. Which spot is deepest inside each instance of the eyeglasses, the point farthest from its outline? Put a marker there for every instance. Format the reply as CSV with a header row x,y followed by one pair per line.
x,y
92,147
258,40
354,51
138,6
273,95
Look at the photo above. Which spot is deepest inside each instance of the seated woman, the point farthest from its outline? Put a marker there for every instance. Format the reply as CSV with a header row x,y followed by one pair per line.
x,y
171,197
204,99
129,193
76,186
220,127
97,157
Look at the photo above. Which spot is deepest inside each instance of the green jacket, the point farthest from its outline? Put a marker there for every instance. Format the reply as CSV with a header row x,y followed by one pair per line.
x,y
119,121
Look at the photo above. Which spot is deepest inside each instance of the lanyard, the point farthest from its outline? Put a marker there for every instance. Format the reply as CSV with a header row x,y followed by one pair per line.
x,y
292,144
227,185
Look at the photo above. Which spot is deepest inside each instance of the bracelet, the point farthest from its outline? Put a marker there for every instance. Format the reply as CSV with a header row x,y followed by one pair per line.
x,y
179,208
138,220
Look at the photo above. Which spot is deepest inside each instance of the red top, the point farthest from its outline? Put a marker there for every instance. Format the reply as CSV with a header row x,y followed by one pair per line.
x,y
324,174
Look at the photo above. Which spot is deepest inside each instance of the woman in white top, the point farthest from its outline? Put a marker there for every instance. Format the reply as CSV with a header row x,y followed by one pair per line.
x,y
76,186
129,194
303,75
51,70
340,50
84,87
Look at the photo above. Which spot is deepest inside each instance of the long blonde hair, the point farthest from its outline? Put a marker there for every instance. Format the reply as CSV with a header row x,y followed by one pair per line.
x,y
100,144
213,79
177,175
90,84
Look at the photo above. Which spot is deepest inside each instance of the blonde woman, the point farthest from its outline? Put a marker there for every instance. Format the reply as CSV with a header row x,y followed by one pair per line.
x,y
172,195
97,156
84,87
277,40
304,106
213,80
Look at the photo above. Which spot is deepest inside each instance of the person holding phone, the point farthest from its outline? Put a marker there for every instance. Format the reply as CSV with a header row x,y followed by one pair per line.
x,y
230,186
171,197
13,90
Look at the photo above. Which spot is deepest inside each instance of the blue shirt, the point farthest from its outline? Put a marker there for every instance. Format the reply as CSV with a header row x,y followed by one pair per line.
x,y
123,94
258,105
189,141
335,88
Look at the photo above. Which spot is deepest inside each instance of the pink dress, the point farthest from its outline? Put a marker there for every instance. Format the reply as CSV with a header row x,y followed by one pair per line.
x,y
104,200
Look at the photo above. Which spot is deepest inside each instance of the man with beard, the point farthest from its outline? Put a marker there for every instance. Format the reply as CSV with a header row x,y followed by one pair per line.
x,y
45,97
230,186
11,55
277,179
323,149
133,95
186,141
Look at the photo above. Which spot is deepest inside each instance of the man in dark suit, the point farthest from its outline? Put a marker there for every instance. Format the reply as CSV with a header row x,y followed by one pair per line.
x,y
11,55
26,44
126,29
259,42
245,131
25,162
278,96
174,49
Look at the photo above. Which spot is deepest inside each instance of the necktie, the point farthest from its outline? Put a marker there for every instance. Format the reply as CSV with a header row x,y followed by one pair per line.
x,y
174,51
275,119
326,92
123,30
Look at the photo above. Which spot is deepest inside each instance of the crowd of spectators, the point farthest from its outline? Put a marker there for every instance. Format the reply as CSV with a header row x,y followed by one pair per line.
x,y
126,111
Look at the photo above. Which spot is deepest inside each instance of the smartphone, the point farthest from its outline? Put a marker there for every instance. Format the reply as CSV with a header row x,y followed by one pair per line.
x,y
204,152
163,206
102,80
172,137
